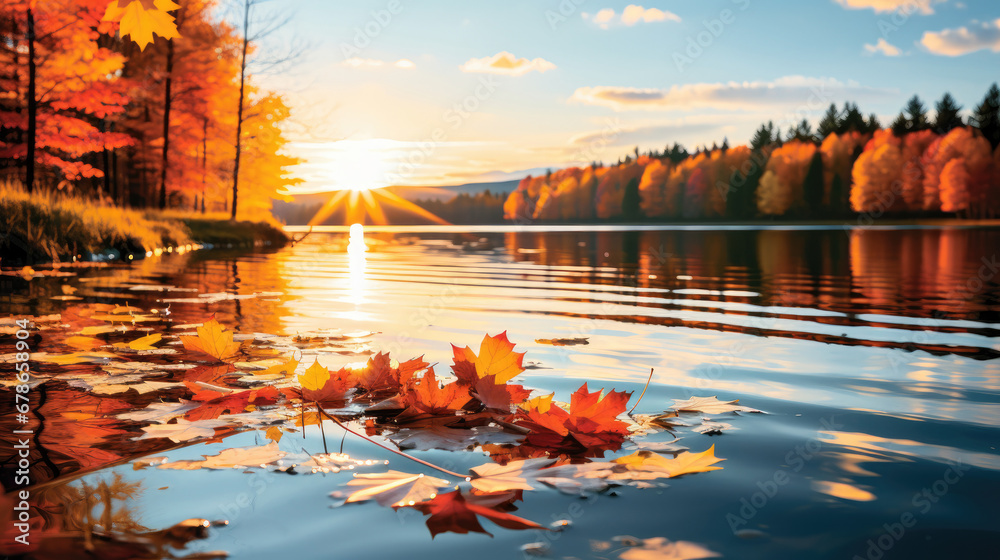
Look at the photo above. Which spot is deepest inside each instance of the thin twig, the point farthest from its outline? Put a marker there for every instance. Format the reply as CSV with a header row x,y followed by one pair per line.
x,y
643,392
322,430
397,452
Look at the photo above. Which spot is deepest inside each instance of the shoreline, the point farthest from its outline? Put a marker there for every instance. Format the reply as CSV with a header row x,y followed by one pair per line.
x,y
43,228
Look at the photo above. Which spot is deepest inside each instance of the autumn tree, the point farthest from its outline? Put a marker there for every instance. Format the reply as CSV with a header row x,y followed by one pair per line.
x,y
61,90
877,188
955,186
788,166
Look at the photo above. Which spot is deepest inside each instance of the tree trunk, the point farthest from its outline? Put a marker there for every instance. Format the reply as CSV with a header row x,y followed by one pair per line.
x,y
239,110
32,106
204,161
167,101
106,162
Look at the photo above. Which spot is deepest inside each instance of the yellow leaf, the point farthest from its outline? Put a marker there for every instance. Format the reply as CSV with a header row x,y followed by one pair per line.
x,y
497,357
541,403
82,342
273,433
144,343
315,377
140,19
213,339
685,463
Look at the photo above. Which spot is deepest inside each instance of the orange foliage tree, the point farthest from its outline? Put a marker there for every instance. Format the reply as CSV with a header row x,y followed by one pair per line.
x,y
62,91
782,191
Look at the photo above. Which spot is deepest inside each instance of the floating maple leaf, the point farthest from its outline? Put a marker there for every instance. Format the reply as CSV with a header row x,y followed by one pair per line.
x,y
140,19
657,548
319,385
590,426
143,343
182,430
213,339
642,465
160,412
562,341
232,458
216,403
394,488
515,475
710,405
425,396
496,357
451,512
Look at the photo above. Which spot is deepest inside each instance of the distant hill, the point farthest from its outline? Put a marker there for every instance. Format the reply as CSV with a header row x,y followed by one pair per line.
x,y
304,206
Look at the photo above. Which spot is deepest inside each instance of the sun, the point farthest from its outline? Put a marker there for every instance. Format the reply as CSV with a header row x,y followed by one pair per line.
x,y
361,172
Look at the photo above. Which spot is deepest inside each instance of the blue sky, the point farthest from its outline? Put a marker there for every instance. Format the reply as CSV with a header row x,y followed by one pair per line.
x,y
446,92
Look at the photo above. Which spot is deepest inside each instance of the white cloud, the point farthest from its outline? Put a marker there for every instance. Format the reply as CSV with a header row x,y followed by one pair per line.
x,y
507,64
883,6
884,47
631,15
375,63
963,40
786,92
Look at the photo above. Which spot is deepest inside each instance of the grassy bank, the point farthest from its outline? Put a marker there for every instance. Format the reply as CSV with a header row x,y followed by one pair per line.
x,y
47,227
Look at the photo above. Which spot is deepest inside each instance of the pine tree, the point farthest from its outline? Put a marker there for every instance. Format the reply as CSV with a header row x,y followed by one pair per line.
x,y
947,116
916,115
763,137
900,125
852,119
873,123
830,122
987,116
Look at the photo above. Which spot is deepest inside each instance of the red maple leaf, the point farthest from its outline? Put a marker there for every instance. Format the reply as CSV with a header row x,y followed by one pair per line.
x,y
451,512
589,427
215,403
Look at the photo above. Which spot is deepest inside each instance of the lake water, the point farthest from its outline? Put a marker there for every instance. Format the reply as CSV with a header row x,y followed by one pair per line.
x,y
874,353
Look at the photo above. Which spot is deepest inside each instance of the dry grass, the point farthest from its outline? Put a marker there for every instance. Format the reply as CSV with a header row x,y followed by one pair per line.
x,y
50,226
46,226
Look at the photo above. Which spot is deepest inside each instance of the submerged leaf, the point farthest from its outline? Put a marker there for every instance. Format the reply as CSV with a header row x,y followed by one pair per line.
x,y
451,512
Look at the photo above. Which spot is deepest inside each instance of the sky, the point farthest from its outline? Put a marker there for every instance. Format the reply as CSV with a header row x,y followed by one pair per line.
x,y
445,92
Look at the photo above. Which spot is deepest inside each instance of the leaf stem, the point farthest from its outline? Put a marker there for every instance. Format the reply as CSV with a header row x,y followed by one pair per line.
x,y
396,451
650,378
322,430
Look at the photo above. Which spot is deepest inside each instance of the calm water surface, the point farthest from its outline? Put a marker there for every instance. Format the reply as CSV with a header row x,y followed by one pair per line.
x,y
874,353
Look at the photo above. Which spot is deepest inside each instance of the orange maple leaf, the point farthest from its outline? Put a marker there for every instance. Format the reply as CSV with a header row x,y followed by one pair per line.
x,y
496,357
213,339
140,19
425,396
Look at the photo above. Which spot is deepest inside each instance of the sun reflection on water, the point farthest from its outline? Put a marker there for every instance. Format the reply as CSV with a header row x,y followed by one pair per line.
x,y
357,265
